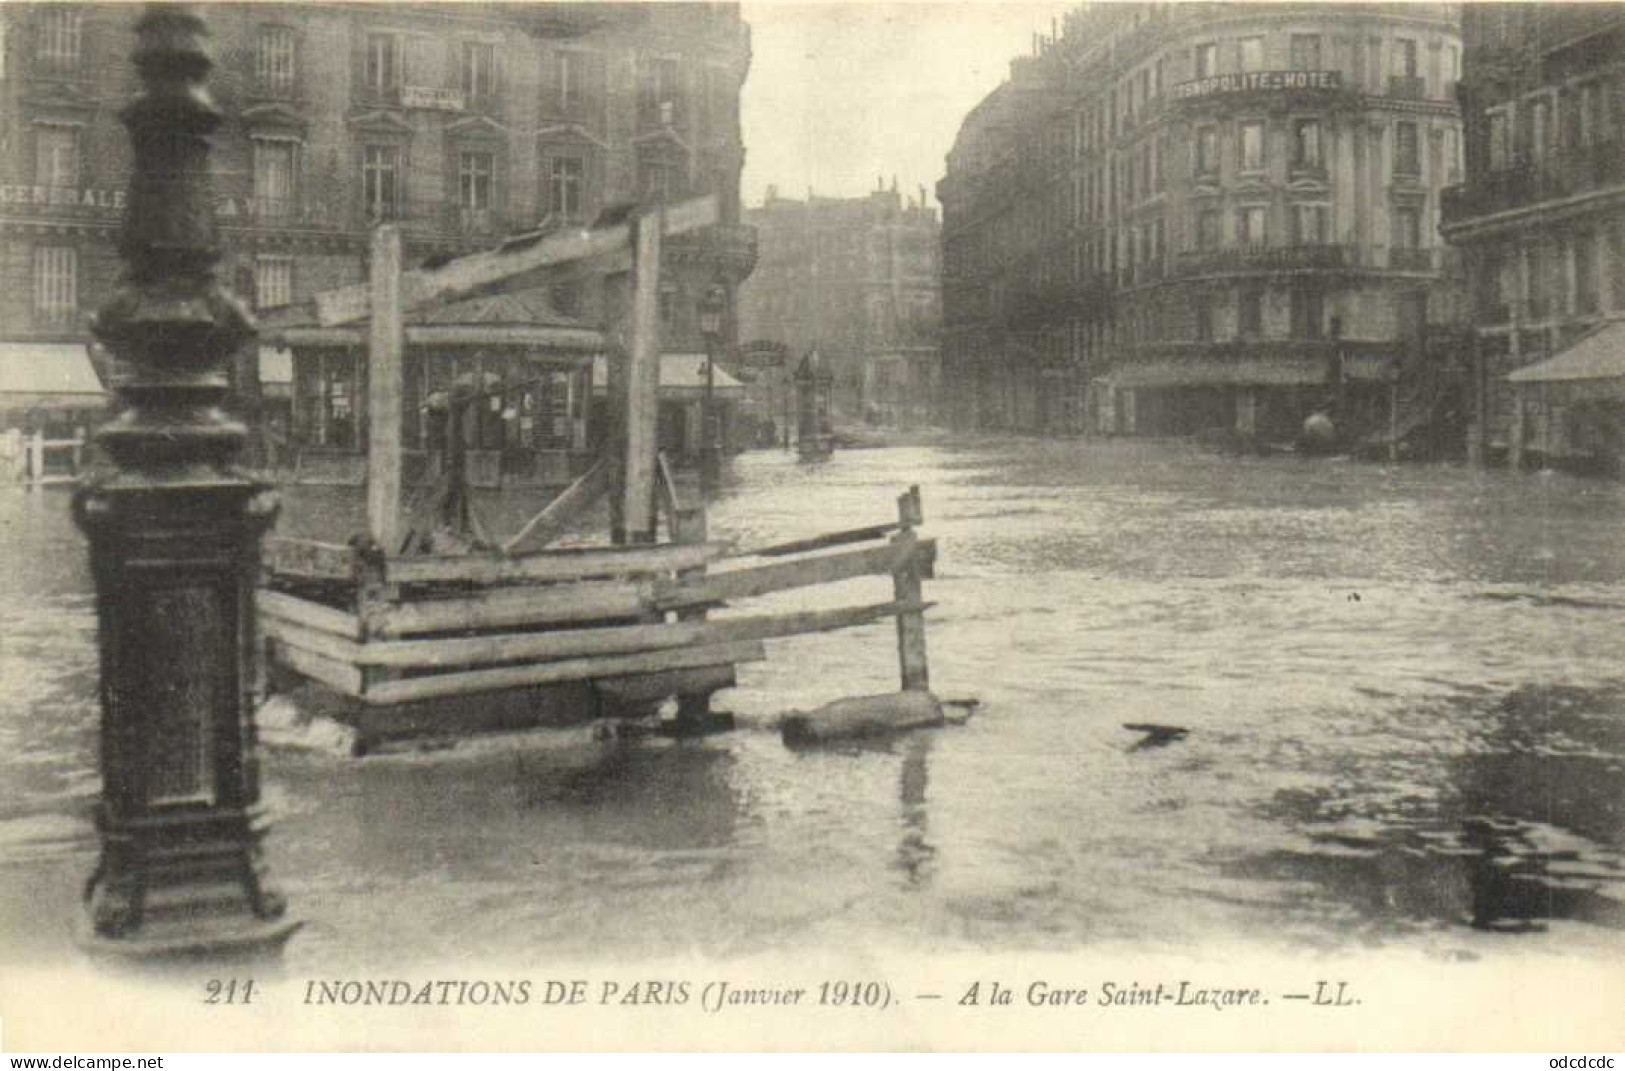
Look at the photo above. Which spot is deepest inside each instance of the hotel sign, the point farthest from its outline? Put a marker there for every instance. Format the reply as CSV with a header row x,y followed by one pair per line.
x,y
435,98
1258,82
110,202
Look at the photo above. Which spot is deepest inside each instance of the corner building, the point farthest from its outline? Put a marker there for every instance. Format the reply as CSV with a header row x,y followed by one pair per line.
x,y
462,122
1183,218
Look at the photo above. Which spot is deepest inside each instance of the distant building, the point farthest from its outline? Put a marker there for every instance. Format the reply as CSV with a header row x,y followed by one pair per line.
x,y
1541,218
857,279
461,122
1193,217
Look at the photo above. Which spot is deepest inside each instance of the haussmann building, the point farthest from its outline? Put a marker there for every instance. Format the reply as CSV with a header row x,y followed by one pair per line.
x,y
1176,219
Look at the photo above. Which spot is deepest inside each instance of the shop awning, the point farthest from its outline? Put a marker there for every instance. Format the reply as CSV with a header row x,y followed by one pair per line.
x,y
1599,355
48,375
682,376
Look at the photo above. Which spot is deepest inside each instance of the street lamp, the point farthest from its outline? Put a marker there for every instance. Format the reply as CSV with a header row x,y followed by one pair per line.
x,y
712,306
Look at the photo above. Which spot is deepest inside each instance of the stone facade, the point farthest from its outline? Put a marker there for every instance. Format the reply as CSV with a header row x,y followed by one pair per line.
x,y
462,122
1182,218
857,279
1541,219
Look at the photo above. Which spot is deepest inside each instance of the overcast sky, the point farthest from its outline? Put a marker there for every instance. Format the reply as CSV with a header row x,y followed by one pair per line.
x,y
840,93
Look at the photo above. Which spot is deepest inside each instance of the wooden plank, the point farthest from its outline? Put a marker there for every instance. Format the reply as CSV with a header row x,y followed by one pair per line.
x,y
529,646
618,562
821,542
343,679
307,557
385,344
647,687
310,614
591,600
467,274
556,516
624,639
336,648
486,680
782,576
776,626
643,383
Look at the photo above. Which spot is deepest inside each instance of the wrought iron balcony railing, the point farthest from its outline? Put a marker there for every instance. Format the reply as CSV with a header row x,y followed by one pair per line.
x,y
1242,258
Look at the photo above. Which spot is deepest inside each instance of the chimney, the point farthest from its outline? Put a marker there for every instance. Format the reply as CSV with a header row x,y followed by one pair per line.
x,y
772,192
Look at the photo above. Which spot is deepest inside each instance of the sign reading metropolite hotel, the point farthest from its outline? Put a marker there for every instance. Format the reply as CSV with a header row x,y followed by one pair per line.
x,y
1259,82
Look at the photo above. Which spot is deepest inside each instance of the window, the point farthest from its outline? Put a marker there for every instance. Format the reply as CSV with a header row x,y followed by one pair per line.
x,y
1304,51
660,92
1306,143
274,171
56,155
474,179
1537,292
565,178
380,181
658,179
1202,314
326,399
1250,312
1207,229
1252,53
1308,313
56,285
273,282
1452,157
1207,151
567,88
1252,146
1309,224
1500,143
479,70
1407,154
1537,129
1586,299
60,40
1251,224
1404,57
383,63
1207,60
1407,228
1452,69
273,58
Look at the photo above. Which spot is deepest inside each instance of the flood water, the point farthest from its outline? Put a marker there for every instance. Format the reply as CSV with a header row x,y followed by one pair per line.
x,y
1402,687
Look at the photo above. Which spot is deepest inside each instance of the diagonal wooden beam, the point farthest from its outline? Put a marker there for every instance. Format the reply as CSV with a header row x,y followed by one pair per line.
x,y
467,274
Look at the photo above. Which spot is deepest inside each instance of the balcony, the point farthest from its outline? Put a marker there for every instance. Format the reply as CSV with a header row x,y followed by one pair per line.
x,y
1566,174
275,212
1265,258
474,222
1401,259
1407,87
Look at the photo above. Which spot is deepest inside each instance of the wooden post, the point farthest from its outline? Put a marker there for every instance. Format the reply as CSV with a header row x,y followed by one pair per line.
x,y
910,595
1393,418
36,457
176,561
385,340
643,381
618,336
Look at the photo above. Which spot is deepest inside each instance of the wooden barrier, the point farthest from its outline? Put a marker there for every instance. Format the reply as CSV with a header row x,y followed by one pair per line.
x,y
631,620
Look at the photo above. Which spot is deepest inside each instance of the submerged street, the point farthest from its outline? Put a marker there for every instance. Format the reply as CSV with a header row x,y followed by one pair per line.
x,y
1401,685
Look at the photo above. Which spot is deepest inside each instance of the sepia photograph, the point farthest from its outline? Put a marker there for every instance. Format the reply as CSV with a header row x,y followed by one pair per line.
x,y
812,526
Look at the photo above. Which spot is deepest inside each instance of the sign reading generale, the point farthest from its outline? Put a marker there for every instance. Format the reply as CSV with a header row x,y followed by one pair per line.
x,y
112,201
1259,81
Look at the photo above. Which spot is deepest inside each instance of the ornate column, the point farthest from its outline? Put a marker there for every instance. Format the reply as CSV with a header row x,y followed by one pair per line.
x,y
174,530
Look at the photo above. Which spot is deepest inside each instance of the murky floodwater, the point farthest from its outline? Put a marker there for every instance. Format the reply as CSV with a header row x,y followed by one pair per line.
x,y
1403,690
